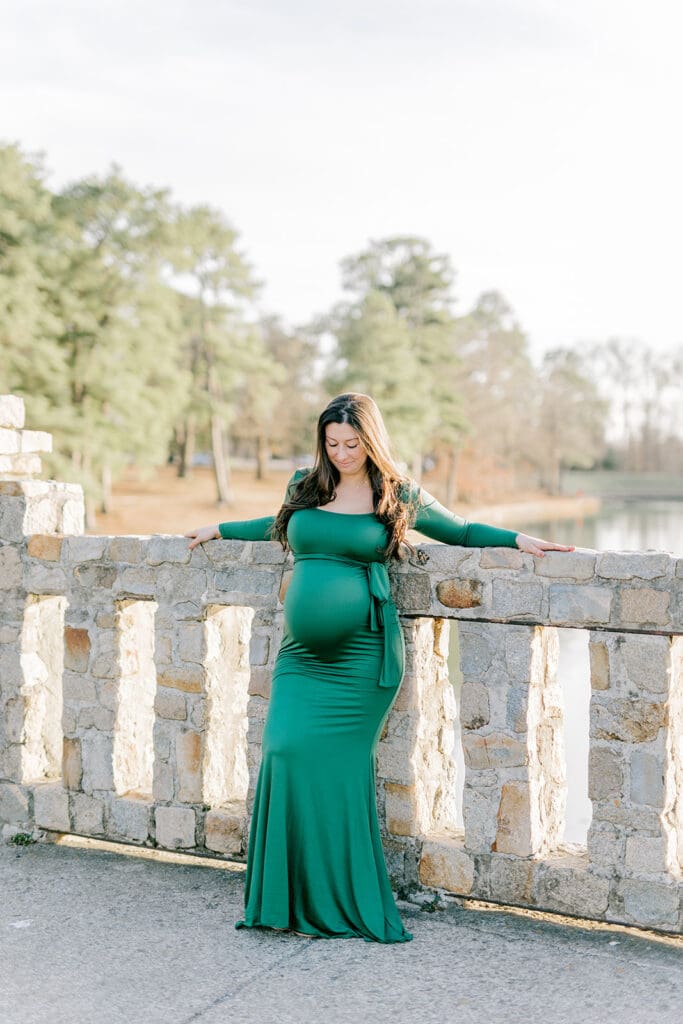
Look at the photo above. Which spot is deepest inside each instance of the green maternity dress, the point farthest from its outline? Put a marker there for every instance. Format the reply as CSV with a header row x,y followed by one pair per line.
x,y
315,861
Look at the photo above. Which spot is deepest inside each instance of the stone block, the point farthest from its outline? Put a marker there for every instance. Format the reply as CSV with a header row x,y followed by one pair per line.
x,y
460,593
73,515
14,803
493,751
135,582
260,679
170,704
501,558
605,774
393,763
476,650
163,788
175,827
188,678
78,687
599,665
444,864
480,806
517,709
87,814
400,809
606,847
72,765
97,717
513,834
267,552
76,649
21,465
412,592
51,806
575,604
511,599
624,565
653,904
10,567
84,549
35,441
575,565
188,749
12,513
225,829
168,549
125,549
643,606
12,411
41,578
647,778
510,880
646,855
246,581
475,711
9,441
96,754
629,721
95,577
189,644
45,546
130,818
647,662
571,890
259,648
517,641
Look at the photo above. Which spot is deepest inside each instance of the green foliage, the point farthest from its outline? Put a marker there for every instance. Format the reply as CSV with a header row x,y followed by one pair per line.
x,y
22,839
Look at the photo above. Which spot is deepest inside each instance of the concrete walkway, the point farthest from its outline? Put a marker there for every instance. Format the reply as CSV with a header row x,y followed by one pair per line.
x,y
91,935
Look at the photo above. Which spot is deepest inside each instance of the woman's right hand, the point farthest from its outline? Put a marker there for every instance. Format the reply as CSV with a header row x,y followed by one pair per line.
x,y
201,534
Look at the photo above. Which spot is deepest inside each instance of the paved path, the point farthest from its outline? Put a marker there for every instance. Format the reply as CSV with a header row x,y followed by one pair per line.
x,y
96,936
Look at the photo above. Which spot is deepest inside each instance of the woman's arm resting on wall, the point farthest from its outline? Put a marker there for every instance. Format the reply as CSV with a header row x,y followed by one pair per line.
x,y
440,524
244,529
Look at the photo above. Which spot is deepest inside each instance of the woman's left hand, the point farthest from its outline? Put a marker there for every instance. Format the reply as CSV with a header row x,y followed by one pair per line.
x,y
536,546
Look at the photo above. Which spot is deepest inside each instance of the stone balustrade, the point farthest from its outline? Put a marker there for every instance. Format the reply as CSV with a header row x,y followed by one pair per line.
x,y
135,676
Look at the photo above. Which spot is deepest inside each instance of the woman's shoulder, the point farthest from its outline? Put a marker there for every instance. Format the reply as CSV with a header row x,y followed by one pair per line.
x,y
409,491
299,474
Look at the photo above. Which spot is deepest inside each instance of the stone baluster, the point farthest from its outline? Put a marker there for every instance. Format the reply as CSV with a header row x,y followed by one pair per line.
x,y
635,772
511,717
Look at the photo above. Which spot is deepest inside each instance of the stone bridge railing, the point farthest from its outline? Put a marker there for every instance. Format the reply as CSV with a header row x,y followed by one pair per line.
x,y
134,682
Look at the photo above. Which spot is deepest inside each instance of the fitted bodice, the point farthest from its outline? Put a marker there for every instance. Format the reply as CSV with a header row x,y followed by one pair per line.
x,y
313,531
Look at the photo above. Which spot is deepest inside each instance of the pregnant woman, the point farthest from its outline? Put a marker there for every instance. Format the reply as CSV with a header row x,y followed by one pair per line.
x,y
315,863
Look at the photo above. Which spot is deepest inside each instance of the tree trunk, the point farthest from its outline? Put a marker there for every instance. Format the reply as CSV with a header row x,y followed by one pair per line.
x,y
105,478
452,476
220,462
187,446
262,453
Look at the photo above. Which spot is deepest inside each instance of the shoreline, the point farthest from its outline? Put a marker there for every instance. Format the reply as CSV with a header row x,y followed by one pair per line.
x,y
533,510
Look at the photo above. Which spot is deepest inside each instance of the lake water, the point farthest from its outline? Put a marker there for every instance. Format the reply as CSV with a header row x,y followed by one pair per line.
x,y
620,526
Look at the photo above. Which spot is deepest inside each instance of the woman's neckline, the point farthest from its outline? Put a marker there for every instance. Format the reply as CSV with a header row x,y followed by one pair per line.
x,y
330,512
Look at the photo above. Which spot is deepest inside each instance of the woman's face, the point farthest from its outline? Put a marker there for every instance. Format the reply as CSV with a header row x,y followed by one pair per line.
x,y
344,448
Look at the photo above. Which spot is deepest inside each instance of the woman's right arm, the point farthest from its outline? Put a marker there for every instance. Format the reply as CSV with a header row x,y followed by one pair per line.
x,y
244,529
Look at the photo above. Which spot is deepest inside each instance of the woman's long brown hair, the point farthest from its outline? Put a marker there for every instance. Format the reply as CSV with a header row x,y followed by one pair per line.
x,y
391,489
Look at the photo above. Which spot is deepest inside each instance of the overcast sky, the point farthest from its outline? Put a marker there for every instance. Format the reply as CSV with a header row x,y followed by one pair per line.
x,y
535,141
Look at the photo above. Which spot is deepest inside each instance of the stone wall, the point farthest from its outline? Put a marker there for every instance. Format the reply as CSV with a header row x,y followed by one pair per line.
x,y
135,676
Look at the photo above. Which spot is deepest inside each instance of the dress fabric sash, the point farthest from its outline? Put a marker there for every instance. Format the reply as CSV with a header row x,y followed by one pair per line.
x,y
383,615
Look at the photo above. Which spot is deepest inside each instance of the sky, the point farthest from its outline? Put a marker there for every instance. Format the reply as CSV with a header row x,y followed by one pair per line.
x,y
537,142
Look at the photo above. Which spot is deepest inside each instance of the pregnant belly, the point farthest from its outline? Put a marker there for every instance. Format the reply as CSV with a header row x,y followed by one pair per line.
x,y
326,602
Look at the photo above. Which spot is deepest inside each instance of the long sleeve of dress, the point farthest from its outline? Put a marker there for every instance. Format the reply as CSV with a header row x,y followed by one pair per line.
x,y
256,529
438,523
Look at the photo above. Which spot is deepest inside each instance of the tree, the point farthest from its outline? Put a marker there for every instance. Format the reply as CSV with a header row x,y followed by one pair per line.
x,y
398,327
570,417
216,334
